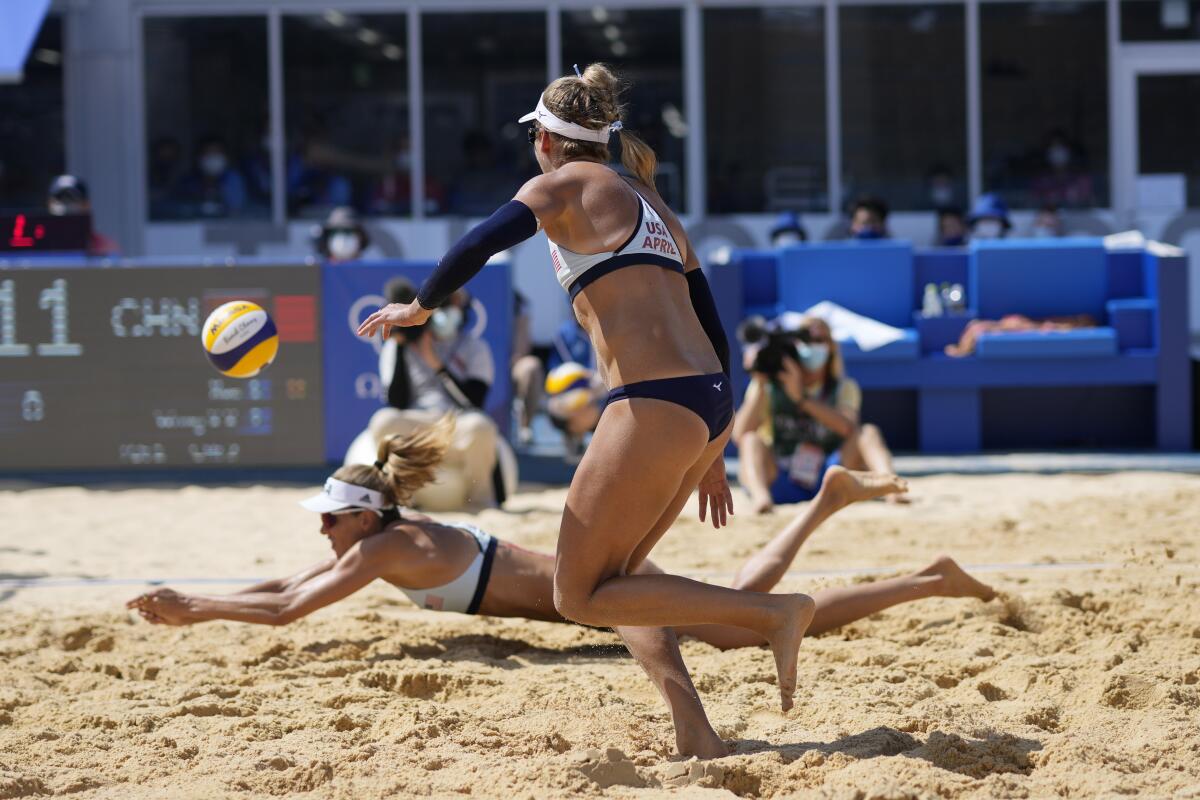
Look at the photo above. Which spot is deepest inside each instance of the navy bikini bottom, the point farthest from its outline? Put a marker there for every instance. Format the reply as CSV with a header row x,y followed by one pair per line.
x,y
709,396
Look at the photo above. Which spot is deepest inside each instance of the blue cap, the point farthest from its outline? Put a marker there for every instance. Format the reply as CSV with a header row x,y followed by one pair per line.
x,y
786,221
989,206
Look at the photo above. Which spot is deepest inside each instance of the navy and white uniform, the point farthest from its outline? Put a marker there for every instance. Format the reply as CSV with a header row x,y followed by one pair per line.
x,y
708,396
464,593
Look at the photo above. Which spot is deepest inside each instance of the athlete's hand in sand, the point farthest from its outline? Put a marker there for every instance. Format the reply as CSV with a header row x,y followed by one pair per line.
x,y
162,607
715,494
394,315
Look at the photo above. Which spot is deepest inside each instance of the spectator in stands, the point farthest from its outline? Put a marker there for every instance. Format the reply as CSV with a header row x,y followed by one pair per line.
x,y
942,194
1063,182
788,230
341,237
164,173
69,195
1047,224
795,423
868,218
420,388
527,371
989,217
951,228
213,188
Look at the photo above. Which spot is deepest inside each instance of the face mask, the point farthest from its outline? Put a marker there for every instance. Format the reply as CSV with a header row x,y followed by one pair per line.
x,y
1044,232
446,322
866,234
941,196
1058,155
813,356
786,238
987,229
343,246
213,164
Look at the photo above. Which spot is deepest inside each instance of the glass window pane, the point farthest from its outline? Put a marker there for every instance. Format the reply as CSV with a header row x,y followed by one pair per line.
x,y
765,106
646,49
904,103
1160,20
1169,129
345,80
1045,117
206,117
481,72
31,125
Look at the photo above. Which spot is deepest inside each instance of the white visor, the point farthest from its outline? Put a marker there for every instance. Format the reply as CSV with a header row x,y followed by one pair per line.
x,y
547,120
338,495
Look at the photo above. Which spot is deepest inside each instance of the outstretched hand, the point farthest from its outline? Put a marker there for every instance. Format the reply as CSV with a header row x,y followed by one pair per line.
x,y
714,493
162,607
394,315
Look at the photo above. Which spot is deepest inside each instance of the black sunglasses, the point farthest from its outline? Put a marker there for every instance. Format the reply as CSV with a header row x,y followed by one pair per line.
x,y
532,132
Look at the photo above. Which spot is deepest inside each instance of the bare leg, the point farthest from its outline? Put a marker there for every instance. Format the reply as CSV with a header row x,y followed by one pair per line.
x,y
657,650
839,488
868,450
756,471
627,483
846,604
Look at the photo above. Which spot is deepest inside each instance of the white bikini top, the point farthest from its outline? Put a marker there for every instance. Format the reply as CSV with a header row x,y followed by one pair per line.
x,y
464,593
650,243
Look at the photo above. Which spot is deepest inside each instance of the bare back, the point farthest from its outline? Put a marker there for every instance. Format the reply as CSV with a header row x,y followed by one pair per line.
x,y
640,318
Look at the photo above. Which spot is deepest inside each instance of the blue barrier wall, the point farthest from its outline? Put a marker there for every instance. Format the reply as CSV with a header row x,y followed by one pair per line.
x,y
352,388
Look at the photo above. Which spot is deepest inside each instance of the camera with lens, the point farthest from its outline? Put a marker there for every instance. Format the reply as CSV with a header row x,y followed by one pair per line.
x,y
774,344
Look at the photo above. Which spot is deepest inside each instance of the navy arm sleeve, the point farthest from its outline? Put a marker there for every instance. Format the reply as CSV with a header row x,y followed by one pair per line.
x,y
510,225
706,312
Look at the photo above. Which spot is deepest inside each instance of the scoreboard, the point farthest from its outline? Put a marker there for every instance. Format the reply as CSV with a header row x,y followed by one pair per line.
x,y
103,367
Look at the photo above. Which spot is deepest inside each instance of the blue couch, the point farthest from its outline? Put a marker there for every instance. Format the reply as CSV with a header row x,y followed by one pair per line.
x,y
1124,382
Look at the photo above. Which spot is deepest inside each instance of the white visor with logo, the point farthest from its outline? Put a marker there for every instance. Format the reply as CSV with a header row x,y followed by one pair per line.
x,y
544,117
338,495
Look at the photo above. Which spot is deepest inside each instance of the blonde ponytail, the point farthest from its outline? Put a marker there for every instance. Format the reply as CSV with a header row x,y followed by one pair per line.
x,y
407,462
593,100
638,157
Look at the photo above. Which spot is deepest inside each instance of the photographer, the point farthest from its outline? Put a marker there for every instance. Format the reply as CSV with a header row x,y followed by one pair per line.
x,y
421,388
800,415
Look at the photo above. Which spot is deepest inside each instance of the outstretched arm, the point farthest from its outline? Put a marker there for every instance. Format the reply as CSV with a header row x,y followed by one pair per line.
x,y
358,567
283,584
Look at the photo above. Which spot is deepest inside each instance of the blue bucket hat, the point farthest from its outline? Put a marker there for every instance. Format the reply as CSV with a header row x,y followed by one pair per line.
x,y
989,206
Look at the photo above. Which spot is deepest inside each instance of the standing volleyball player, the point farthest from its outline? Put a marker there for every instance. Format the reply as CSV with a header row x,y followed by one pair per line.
x,y
638,291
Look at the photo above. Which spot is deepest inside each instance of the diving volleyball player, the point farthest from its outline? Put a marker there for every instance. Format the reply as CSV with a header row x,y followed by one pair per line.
x,y
456,567
637,289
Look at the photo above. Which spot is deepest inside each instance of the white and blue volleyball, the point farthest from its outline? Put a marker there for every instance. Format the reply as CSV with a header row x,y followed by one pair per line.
x,y
568,388
240,339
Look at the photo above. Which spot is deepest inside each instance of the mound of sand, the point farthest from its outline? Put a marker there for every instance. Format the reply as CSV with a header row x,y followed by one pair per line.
x,y
1076,682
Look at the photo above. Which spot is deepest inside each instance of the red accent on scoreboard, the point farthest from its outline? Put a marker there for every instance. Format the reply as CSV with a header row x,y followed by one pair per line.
x,y
296,317
18,238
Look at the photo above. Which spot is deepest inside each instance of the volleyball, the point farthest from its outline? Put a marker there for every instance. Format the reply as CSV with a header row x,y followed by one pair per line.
x,y
240,339
568,388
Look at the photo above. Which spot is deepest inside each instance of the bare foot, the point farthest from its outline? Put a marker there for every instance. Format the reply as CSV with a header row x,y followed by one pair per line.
x,y
761,505
845,487
956,582
794,613
702,746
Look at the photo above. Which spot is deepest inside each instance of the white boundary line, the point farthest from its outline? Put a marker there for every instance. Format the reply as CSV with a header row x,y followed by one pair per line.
x,y
73,583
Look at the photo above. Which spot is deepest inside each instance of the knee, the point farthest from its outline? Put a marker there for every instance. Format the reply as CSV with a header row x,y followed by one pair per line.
x,y
749,440
870,433
573,604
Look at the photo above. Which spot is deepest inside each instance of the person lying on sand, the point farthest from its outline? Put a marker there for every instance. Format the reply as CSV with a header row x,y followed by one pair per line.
x,y
458,567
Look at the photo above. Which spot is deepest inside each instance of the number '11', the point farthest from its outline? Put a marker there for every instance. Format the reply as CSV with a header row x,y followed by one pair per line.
x,y
52,299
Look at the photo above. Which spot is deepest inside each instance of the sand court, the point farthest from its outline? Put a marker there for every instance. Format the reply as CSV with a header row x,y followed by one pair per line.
x,y
1082,679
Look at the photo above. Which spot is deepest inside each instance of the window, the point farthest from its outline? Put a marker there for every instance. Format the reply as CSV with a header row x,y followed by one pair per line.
x,y
1160,20
345,81
1045,116
31,127
481,73
207,118
904,103
765,108
645,47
